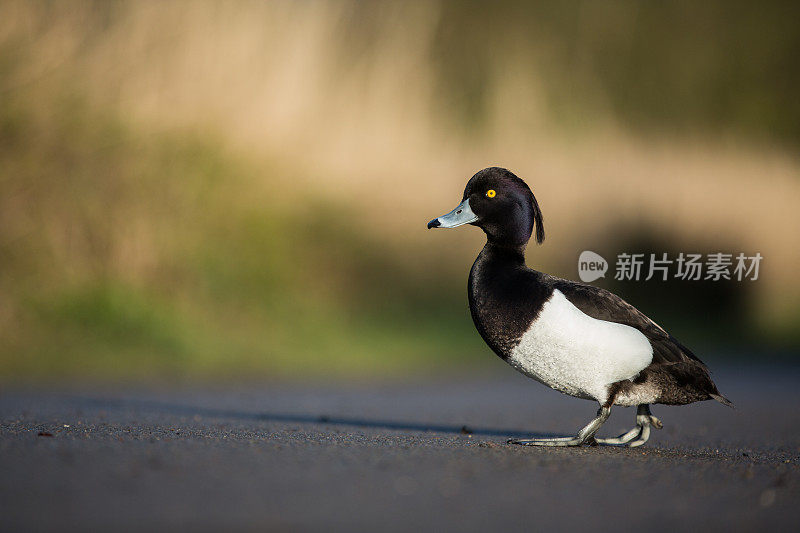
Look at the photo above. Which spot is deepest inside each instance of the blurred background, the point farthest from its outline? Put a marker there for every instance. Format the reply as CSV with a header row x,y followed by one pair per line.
x,y
211,190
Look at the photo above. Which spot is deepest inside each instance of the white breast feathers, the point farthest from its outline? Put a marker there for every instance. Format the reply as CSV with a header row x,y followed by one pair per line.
x,y
569,351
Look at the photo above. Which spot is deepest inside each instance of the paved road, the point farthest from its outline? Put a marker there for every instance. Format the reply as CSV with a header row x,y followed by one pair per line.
x,y
422,456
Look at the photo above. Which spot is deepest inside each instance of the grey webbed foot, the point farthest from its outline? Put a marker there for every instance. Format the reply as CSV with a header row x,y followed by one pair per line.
x,y
639,434
584,436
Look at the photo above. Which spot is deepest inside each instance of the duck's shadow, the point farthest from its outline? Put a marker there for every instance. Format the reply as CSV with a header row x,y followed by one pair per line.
x,y
167,408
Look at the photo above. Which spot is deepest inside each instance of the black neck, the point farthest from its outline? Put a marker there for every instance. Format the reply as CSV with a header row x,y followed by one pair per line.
x,y
500,289
507,253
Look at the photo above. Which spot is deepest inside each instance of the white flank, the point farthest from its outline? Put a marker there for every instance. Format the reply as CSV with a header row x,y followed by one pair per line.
x,y
576,354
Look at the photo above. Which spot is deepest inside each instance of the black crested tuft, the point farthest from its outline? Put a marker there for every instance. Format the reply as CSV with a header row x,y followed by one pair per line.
x,y
538,219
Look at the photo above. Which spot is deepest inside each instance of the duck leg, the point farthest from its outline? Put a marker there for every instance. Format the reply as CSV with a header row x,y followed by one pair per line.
x,y
638,435
584,436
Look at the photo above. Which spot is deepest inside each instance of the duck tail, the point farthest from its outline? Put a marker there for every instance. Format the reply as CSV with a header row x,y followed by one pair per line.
x,y
722,399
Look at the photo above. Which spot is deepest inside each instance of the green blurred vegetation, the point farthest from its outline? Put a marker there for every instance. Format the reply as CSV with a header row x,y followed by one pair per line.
x,y
141,256
675,68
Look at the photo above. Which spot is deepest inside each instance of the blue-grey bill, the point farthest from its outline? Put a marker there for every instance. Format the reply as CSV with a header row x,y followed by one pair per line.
x,y
457,217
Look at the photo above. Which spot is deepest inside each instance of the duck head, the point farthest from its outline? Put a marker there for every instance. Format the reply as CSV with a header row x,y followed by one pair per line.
x,y
499,203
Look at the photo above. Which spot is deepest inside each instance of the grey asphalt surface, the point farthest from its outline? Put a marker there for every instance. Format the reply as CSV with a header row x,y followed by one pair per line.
x,y
429,455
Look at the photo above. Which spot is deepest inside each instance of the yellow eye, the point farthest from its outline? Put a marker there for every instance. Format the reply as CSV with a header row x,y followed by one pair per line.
x,y
490,193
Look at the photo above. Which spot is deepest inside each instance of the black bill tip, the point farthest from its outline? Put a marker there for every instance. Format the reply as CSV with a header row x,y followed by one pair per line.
x,y
434,223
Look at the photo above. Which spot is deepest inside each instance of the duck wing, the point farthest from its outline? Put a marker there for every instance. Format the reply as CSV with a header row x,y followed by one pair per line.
x,y
684,377
604,305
